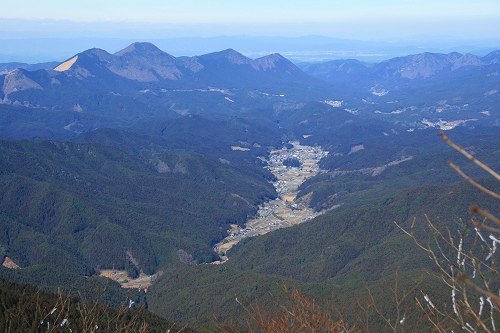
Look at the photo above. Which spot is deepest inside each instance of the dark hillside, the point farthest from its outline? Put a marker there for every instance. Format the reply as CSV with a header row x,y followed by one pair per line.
x,y
24,308
366,250
53,279
334,258
362,171
360,244
84,206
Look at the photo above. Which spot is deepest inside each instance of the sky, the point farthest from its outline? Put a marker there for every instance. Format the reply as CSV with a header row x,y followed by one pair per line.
x,y
355,19
36,31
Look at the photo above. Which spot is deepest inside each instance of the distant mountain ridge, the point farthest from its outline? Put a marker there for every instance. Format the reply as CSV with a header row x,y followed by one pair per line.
x,y
420,90
10,66
144,62
417,66
96,89
428,64
142,67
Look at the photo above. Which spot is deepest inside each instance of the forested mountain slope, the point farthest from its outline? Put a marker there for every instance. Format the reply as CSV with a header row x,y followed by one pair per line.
x,y
85,206
162,154
334,257
24,308
362,244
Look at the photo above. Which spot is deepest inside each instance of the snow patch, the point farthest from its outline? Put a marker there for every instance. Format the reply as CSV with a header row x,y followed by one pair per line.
x,y
377,91
335,104
380,93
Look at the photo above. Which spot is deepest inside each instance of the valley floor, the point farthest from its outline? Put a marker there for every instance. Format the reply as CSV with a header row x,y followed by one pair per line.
x,y
284,211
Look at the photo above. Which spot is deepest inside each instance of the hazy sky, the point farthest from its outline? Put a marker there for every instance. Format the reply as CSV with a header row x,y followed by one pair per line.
x,y
362,19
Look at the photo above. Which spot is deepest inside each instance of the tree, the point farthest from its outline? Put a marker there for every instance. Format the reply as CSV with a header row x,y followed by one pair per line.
x,y
466,264
298,313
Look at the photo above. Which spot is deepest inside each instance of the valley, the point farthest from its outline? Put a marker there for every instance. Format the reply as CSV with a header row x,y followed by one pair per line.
x,y
282,212
137,152
285,210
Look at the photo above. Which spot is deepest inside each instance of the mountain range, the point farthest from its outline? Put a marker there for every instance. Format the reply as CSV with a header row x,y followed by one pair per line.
x,y
143,161
417,91
418,66
144,62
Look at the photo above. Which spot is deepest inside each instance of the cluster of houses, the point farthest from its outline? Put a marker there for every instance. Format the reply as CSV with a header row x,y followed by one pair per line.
x,y
283,212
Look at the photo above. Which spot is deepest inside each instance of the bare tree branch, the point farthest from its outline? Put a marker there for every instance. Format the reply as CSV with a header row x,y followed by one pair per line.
x,y
470,157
